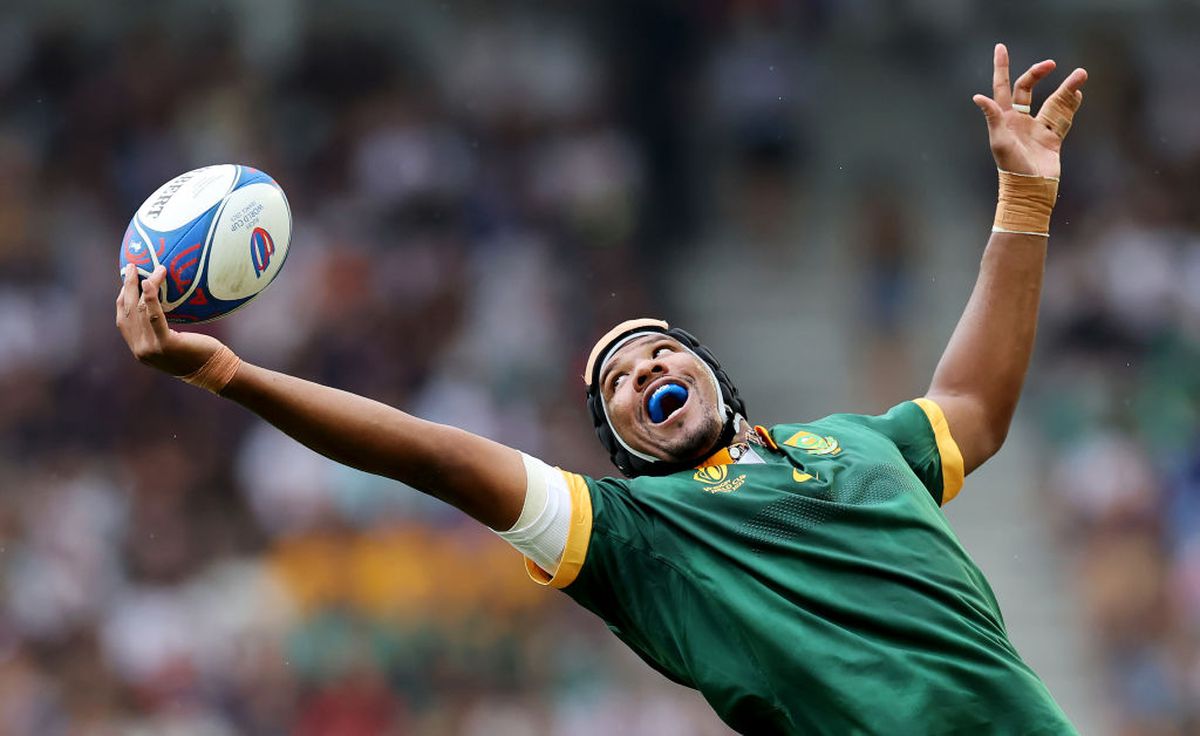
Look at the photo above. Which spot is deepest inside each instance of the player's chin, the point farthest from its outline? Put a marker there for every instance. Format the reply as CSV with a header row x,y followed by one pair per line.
x,y
685,437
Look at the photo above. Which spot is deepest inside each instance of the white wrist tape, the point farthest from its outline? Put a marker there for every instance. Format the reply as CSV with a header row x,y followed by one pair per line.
x,y
541,530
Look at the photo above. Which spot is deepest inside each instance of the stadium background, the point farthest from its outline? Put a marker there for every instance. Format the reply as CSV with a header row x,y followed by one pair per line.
x,y
480,188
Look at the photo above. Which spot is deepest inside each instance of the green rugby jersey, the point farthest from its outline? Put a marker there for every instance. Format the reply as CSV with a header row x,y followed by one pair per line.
x,y
819,592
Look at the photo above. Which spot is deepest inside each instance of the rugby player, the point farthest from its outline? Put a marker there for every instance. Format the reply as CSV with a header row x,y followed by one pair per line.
x,y
802,577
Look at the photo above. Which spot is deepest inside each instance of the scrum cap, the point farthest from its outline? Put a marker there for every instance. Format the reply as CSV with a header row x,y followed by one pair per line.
x,y
628,460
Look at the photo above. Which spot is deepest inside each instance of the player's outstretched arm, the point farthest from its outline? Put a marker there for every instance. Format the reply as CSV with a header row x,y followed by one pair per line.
x,y
979,378
483,478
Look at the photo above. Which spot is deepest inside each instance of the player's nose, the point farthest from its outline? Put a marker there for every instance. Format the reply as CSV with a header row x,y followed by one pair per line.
x,y
647,370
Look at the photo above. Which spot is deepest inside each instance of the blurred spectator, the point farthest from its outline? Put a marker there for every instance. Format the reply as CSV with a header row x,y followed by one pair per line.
x,y
167,564
479,190
1119,393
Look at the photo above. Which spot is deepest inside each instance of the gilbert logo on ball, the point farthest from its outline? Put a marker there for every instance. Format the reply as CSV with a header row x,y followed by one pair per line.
x,y
222,232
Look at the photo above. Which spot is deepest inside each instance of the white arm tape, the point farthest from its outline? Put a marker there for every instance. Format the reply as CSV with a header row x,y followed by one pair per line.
x,y
541,530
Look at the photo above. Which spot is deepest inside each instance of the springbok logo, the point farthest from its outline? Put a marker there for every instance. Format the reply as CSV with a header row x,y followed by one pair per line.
x,y
262,246
814,444
716,479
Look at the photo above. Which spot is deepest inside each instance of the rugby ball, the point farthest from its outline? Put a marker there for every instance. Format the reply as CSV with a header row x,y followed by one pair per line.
x,y
222,232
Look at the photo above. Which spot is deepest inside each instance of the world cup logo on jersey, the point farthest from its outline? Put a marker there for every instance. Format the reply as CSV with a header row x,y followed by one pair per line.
x,y
711,474
715,479
262,246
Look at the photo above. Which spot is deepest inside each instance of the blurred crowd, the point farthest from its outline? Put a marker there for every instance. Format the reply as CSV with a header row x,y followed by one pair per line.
x,y
479,190
469,188
1117,381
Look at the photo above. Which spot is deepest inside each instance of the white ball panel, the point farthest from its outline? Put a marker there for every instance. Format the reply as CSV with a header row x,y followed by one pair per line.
x,y
231,272
186,197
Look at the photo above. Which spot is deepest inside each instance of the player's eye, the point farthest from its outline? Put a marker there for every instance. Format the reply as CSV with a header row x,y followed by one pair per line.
x,y
662,349
616,381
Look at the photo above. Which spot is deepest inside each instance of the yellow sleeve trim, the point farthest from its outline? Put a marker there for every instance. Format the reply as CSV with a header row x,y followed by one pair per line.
x,y
578,537
952,462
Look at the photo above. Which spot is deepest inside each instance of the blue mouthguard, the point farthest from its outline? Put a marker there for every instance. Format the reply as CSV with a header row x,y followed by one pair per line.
x,y
655,405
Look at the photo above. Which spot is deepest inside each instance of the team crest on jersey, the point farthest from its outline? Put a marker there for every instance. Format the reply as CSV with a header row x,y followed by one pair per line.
x,y
716,479
814,444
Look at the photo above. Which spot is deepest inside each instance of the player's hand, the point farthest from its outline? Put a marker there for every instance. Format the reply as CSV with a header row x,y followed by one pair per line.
x,y
1021,142
142,323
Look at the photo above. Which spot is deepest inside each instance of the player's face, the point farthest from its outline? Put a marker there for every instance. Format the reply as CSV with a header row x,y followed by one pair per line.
x,y
661,399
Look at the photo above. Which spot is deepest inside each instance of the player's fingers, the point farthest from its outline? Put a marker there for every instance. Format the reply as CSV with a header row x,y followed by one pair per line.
x,y
1058,112
128,295
991,111
154,310
1001,88
1075,80
1023,89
